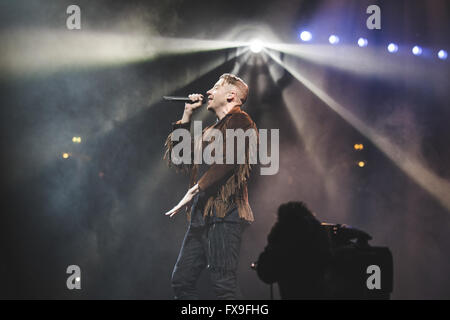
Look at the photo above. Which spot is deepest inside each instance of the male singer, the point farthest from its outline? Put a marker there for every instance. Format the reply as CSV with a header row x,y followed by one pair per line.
x,y
216,203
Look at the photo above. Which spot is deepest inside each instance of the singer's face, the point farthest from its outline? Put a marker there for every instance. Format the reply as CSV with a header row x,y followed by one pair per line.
x,y
217,95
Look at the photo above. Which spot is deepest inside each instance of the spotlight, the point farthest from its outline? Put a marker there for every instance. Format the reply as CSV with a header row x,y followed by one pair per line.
x,y
361,164
362,42
306,36
392,48
417,51
442,54
333,39
65,155
256,46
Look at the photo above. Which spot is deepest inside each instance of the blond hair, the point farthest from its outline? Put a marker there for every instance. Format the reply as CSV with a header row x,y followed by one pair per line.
x,y
238,83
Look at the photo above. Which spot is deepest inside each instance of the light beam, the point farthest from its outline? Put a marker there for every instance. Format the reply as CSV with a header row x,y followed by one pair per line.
x,y
438,187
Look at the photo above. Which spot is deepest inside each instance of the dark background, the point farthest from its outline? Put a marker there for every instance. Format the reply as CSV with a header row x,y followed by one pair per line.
x,y
102,208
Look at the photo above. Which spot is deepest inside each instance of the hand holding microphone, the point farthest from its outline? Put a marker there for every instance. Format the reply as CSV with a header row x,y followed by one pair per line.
x,y
197,101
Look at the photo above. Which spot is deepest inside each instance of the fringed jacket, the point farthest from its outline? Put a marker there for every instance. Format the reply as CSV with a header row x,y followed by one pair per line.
x,y
222,185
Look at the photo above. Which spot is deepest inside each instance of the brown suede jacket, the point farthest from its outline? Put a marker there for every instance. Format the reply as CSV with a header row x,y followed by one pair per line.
x,y
222,185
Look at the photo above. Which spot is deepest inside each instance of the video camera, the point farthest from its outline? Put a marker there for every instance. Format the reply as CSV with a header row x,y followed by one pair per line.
x,y
357,270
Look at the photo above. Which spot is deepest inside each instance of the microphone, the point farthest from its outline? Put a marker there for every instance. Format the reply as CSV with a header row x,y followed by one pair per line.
x,y
180,99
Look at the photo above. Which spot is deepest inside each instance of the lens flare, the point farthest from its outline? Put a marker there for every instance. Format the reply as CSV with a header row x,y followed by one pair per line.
x,y
256,46
333,39
392,48
442,54
362,42
306,36
416,50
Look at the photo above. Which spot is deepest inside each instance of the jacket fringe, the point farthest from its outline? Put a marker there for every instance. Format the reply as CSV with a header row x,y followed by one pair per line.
x,y
168,147
234,191
228,194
